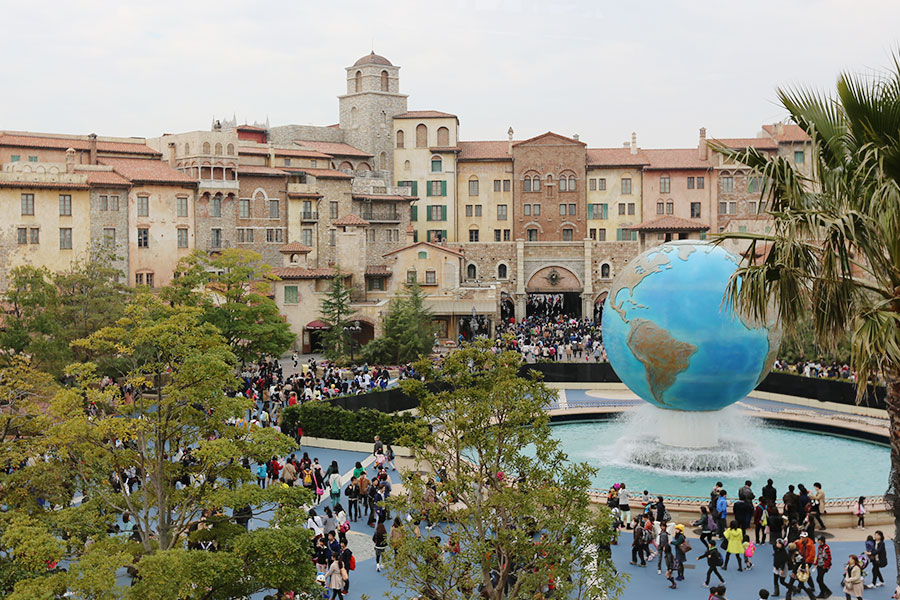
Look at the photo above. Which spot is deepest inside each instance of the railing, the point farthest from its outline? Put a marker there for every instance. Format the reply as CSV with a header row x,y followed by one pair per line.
x,y
309,215
698,501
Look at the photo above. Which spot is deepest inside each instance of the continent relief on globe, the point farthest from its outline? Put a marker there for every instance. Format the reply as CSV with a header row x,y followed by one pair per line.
x,y
662,355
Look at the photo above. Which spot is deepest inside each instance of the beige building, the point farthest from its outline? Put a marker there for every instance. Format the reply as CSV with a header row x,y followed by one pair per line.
x,y
485,196
614,191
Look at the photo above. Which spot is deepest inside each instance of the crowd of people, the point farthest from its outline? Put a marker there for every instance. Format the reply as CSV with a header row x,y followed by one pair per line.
x,y
817,368
801,558
556,338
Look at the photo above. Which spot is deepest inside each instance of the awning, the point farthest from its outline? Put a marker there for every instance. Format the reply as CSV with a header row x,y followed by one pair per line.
x,y
461,307
316,326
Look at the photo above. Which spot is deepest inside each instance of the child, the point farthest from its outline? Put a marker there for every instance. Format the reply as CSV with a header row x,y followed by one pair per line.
x,y
764,594
379,459
670,566
713,560
860,511
749,550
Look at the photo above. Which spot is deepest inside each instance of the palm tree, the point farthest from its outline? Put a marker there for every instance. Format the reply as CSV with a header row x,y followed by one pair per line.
x,y
834,245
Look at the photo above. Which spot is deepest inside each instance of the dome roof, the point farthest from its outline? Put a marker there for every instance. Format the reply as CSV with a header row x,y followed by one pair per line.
x,y
372,59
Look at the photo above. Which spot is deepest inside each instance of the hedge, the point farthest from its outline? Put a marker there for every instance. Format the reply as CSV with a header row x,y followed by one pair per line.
x,y
323,419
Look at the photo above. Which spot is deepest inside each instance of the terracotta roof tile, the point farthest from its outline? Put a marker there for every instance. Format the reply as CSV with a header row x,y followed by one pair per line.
x,y
789,133
333,148
553,135
378,270
484,150
668,223
741,143
260,170
303,273
44,185
246,127
372,59
424,114
106,178
290,152
140,170
455,251
295,248
615,157
350,219
324,173
385,197
56,143
683,158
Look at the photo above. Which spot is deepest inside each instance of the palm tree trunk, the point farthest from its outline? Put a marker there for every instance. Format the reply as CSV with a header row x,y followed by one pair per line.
x,y
892,400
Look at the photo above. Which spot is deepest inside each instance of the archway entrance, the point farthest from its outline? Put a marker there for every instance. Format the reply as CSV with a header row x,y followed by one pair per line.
x,y
507,308
598,307
553,292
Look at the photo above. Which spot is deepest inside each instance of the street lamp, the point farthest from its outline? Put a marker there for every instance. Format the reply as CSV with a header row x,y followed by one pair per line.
x,y
351,329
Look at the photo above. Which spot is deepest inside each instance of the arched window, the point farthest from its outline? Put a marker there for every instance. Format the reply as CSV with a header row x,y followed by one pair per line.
x,y
604,271
670,208
205,147
471,271
363,166
359,81
230,149
571,183
401,140
443,137
421,136
384,81
660,207
501,271
382,160
219,149
535,184
562,184
187,148
406,165
437,164
345,166
353,116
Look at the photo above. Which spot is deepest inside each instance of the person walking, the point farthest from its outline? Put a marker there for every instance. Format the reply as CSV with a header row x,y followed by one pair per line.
x,y
779,566
379,538
681,547
707,525
662,540
878,560
823,564
761,521
637,542
352,493
713,562
853,581
670,566
624,507
722,515
335,578
735,538
860,511
799,574
818,504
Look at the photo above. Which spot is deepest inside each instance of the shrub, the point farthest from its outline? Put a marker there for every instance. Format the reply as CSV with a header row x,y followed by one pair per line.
x,y
325,420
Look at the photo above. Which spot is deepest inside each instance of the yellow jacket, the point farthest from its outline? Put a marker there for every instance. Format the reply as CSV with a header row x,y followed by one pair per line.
x,y
735,539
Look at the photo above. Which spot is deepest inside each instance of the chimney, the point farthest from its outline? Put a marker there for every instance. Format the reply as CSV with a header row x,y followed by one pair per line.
x,y
575,136
701,147
270,160
93,138
779,128
626,144
634,142
410,235
172,154
70,160
510,134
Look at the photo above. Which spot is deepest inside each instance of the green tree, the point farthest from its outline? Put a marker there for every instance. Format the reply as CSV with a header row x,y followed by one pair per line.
x,y
835,240
233,288
513,501
336,311
172,430
408,330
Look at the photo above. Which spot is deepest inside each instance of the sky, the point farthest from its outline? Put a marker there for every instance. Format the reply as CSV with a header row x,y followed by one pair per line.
x,y
599,69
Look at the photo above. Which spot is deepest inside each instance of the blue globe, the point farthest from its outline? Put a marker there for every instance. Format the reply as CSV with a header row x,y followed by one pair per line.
x,y
673,341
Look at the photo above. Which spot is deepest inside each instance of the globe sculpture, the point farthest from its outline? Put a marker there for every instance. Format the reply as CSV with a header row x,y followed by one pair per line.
x,y
674,341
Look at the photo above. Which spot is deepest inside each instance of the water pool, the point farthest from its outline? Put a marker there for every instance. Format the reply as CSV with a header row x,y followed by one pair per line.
x,y
844,467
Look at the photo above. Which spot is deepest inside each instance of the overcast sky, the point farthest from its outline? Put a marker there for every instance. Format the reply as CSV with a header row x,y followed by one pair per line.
x,y
600,69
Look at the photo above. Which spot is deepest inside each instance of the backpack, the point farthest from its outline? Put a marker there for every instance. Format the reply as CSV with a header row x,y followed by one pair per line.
x,y
261,471
307,478
716,557
335,485
352,563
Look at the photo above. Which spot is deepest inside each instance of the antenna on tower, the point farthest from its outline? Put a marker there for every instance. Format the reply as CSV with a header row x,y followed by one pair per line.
x,y
373,44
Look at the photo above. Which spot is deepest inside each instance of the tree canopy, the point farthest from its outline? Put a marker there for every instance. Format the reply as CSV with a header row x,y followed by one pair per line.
x,y
336,310
408,330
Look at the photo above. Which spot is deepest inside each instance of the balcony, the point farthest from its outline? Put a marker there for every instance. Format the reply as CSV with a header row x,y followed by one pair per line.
x,y
309,216
387,217
214,246
300,188
219,185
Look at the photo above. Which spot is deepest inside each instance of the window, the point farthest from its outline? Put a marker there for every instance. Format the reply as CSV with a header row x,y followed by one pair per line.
x,y
532,235
626,185
471,271
306,237
22,235
215,207
437,164
660,208
332,209
601,184
473,235
35,235
443,137
700,181
752,205
592,233
799,157
332,237
421,136
623,235
376,284
411,276
568,234
436,235
604,271
536,210
496,235
597,211
501,271
413,213
143,206
32,158
526,210
215,238
631,208
143,237
501,212
506,235
562,210
182,207
621,208
601,235
400,138
592,184
664,184
437,188
15,158
690,183
245,236
65,205
753,185
114,203
65,238
287,162
370,235
507,185
430,277
182,235
138,279
723,208
496,185
148,277
412,185
469,211
290,294
109,237
245,208
437,213
535,184
104,202
670,208
27,204
562,184
695,210
274,208
274,235
473,187
572,209
732,208
312,162
727,184
477,210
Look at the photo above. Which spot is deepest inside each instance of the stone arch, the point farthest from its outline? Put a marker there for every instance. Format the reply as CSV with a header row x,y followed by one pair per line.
x,y
218,149
358,81
443,137
206,147
230,149
384,81
605,271
187,148
406,165
599,300
401,139
502,270
542,280
534,225
345,166
471,271
354,115
259,191
363,166
421,136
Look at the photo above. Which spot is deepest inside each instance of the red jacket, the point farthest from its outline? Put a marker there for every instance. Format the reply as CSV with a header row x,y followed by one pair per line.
x,y
807,549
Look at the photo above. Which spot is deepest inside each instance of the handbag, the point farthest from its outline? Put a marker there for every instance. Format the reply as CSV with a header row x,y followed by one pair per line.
x,y
724,544
803,574
319,491
685,546
344,527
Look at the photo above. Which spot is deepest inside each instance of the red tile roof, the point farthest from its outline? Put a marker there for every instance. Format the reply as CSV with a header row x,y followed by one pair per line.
x,y
553,135
250,128
741,143
260,170
290,152
455,251
789,133
305,195
295,248
325,173
668,223
333,148
484,150
424,114
105,179
615,157
58,143
443,149
140,170
378,271
684,158
304,273
385,197
350,219
44,185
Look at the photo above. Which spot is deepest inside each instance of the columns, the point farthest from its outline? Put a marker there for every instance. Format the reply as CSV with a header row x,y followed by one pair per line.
x,y
520,279
587,296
